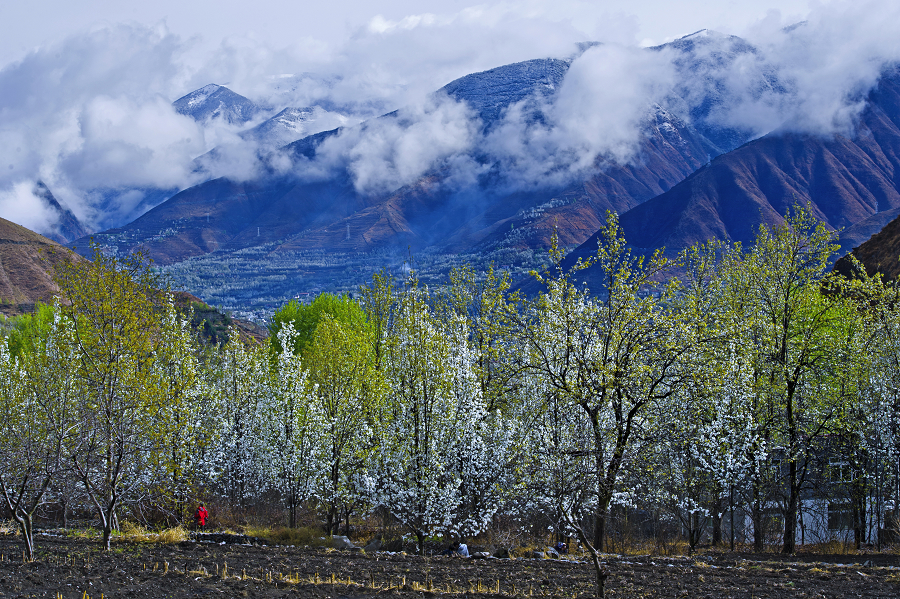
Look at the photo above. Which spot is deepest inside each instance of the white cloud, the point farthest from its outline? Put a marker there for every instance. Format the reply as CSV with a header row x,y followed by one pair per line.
x,y
94,112
596,115
826,66
386,153
91,116
19,204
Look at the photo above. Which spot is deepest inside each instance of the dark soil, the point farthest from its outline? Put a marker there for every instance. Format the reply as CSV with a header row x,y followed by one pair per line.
x,y
74,568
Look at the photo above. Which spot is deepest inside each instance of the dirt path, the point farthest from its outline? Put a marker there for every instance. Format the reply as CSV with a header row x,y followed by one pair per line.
x,y
71,568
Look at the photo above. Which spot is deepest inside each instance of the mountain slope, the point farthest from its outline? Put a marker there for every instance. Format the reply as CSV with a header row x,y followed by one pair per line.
x,y
308,199
844,181
331,215
879,254
26,267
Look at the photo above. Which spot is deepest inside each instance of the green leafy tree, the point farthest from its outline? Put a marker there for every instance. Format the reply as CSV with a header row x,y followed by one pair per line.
x,y
802,330
348,390
113,311
305,318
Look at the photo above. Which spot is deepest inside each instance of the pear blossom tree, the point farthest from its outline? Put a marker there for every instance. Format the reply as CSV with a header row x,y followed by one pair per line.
x,y
290,426
240,380
489,443
435,404
37,391
184,421
610,355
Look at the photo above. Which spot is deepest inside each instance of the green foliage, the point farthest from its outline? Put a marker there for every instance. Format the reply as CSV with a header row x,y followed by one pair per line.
x,y
27,330
306,317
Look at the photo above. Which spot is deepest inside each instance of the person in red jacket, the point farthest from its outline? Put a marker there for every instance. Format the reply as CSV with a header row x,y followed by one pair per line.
x,y
201,516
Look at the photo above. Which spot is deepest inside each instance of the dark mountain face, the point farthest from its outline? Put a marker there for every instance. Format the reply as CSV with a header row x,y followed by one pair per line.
x,y
851,184
68,227
880,254
332,216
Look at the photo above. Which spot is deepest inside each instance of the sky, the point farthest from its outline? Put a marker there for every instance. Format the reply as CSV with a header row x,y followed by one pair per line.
x,y
328,25
86,87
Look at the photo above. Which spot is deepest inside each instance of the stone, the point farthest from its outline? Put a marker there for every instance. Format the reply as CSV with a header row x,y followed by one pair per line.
x,y
502,553
342,543
374,545
537,554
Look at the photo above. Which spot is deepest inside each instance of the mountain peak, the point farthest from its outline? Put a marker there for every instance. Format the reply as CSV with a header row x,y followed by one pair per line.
x,y
217,101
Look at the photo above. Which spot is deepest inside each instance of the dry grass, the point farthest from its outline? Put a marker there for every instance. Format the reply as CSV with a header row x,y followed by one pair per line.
x,y
830,548
172,535
9,527
135,533
282,535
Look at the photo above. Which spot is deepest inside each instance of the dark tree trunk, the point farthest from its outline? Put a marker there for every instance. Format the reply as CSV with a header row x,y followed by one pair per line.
x,y
717,523
756,516
331,521
292,510
731,516
420,539
790,514
599,530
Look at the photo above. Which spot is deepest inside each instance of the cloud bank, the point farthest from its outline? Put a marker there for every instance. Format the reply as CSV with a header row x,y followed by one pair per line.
x,y
91,115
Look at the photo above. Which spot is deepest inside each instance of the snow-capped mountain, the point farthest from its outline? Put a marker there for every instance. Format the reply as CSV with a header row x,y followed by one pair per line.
x,y
489,188
705,62
292,124
332,214
217,102
490,92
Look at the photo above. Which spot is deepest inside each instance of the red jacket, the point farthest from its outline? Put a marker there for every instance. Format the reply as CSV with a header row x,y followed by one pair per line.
x,y
201,516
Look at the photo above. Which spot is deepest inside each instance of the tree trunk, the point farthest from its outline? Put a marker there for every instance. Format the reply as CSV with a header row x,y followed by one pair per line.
x,y
599,529
601,575
420,539
756,516
595,553
693,532
292,510
859,521
731,516
790,514
717,523
107,534
25,525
